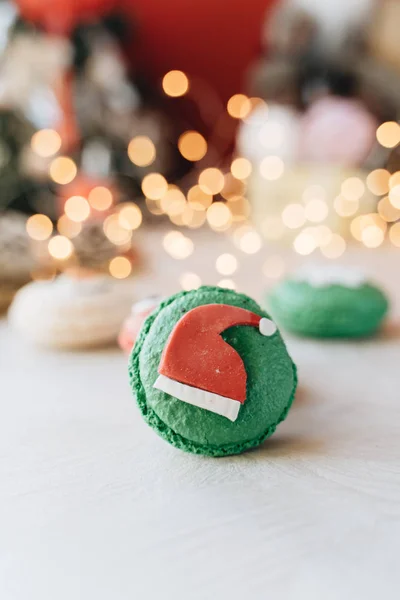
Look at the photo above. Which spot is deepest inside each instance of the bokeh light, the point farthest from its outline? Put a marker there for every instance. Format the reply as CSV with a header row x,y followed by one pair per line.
x,y
154,206
77,208
226,264
388,134
177,245
345,207
361,222
241,168
394,196
60,247
39,227
130,216
304,243
335,247
372,236
394,234
120,267
352,188
46,142
175,83
240,208
192,145
198,199
154,186
100,198
250,242
115,232
173,202
141,151
239,106
62,170
228,284
189,281
68,228
271,168
211,181
378,182
387,211
219,216
293,216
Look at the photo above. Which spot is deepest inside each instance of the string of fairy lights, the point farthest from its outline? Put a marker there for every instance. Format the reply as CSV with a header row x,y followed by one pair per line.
x,y
217,197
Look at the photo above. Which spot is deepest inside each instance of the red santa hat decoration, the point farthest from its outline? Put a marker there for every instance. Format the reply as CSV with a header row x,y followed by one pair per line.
x,y
199,367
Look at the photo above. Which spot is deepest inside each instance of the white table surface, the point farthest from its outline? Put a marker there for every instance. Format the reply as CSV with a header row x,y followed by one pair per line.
x,y
94,506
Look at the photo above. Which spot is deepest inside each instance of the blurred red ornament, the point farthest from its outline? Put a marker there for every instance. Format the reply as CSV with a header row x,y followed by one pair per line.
x,y
213,43
61,16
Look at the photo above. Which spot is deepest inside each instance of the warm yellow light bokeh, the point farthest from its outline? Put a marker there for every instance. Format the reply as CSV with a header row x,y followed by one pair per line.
x,y
228,284
372,236
345,207
189,281
199,199
388,134
352,188
46,142
394,196
394,234
211,181
192,145
250,242
120,267
378,182
335,247
239,106
219,216
115,232
304,243
175,83
100,198
68,228
241,168
130,216
226,264
77,208
154,186
60,247
293,216
178,245
141,151
39,227
62,170
361,222
387,211
173,202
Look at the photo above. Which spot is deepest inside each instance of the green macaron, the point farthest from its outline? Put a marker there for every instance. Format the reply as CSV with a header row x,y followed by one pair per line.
x,y
212,362
328,303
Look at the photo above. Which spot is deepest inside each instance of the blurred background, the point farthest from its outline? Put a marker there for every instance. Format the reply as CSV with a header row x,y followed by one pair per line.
x,y
178,143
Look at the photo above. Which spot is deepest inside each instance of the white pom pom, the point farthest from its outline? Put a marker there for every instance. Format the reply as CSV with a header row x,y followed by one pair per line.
x,y
267,327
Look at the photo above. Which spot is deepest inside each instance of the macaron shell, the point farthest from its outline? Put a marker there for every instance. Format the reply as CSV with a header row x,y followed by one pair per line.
x,y
271,380
330,311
